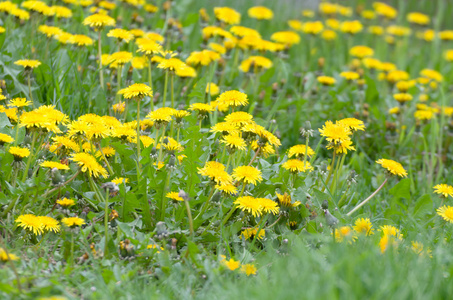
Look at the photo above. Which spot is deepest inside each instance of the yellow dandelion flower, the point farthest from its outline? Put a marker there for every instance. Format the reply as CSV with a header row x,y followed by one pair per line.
x,y
296,166
268,205
99,21
393,167
444,190
299,151
19,153
234,142
30,223
353,124
65,202
174,196
4,257
250,233
89,164
227,15
54,164
249,204
19,102
260,13
247,174
4,138
363,225
326,80
121,34
49,224
73,221
248,269
137,91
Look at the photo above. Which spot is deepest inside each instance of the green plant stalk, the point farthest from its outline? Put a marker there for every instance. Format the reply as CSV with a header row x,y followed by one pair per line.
x,y
29,89
138,141
172,96
150,80
206,204
367,199
338,168
165,88
64,184
189,216
106,221
119,75
101,72
228,216
307,138
330,171
17,130
24,176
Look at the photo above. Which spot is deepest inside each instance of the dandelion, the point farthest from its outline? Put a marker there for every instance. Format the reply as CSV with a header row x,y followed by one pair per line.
x,y
446,212
73,222
19,153
174,196
393,167
65,202
4,257
285,200
28,63
250,233
99,21
349,75
227,15
231,264
19,102
234,142
121,35
444,190
326,80
344,233
247,174
89,164
268,205
49,224
299,151
4,138
363,225
30,223
136,91
249,204
260,13
353,124
248,269
296,166
54,164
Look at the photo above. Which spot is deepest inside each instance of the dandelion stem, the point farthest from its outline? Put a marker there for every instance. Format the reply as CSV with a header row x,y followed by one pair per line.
x,y
189,216
64,184
367,199
24,176
101,72
138,141
150,79
29,89
165,88
106,220
255,156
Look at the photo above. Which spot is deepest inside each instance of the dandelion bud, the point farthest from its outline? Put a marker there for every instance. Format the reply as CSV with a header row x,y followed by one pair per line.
x,y
325,205
153,152
262,95
183,195
111,186
161,230
331,220
216,197
171,162
57,178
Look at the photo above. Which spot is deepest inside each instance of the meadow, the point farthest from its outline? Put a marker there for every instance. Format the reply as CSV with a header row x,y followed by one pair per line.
x,y
226,149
